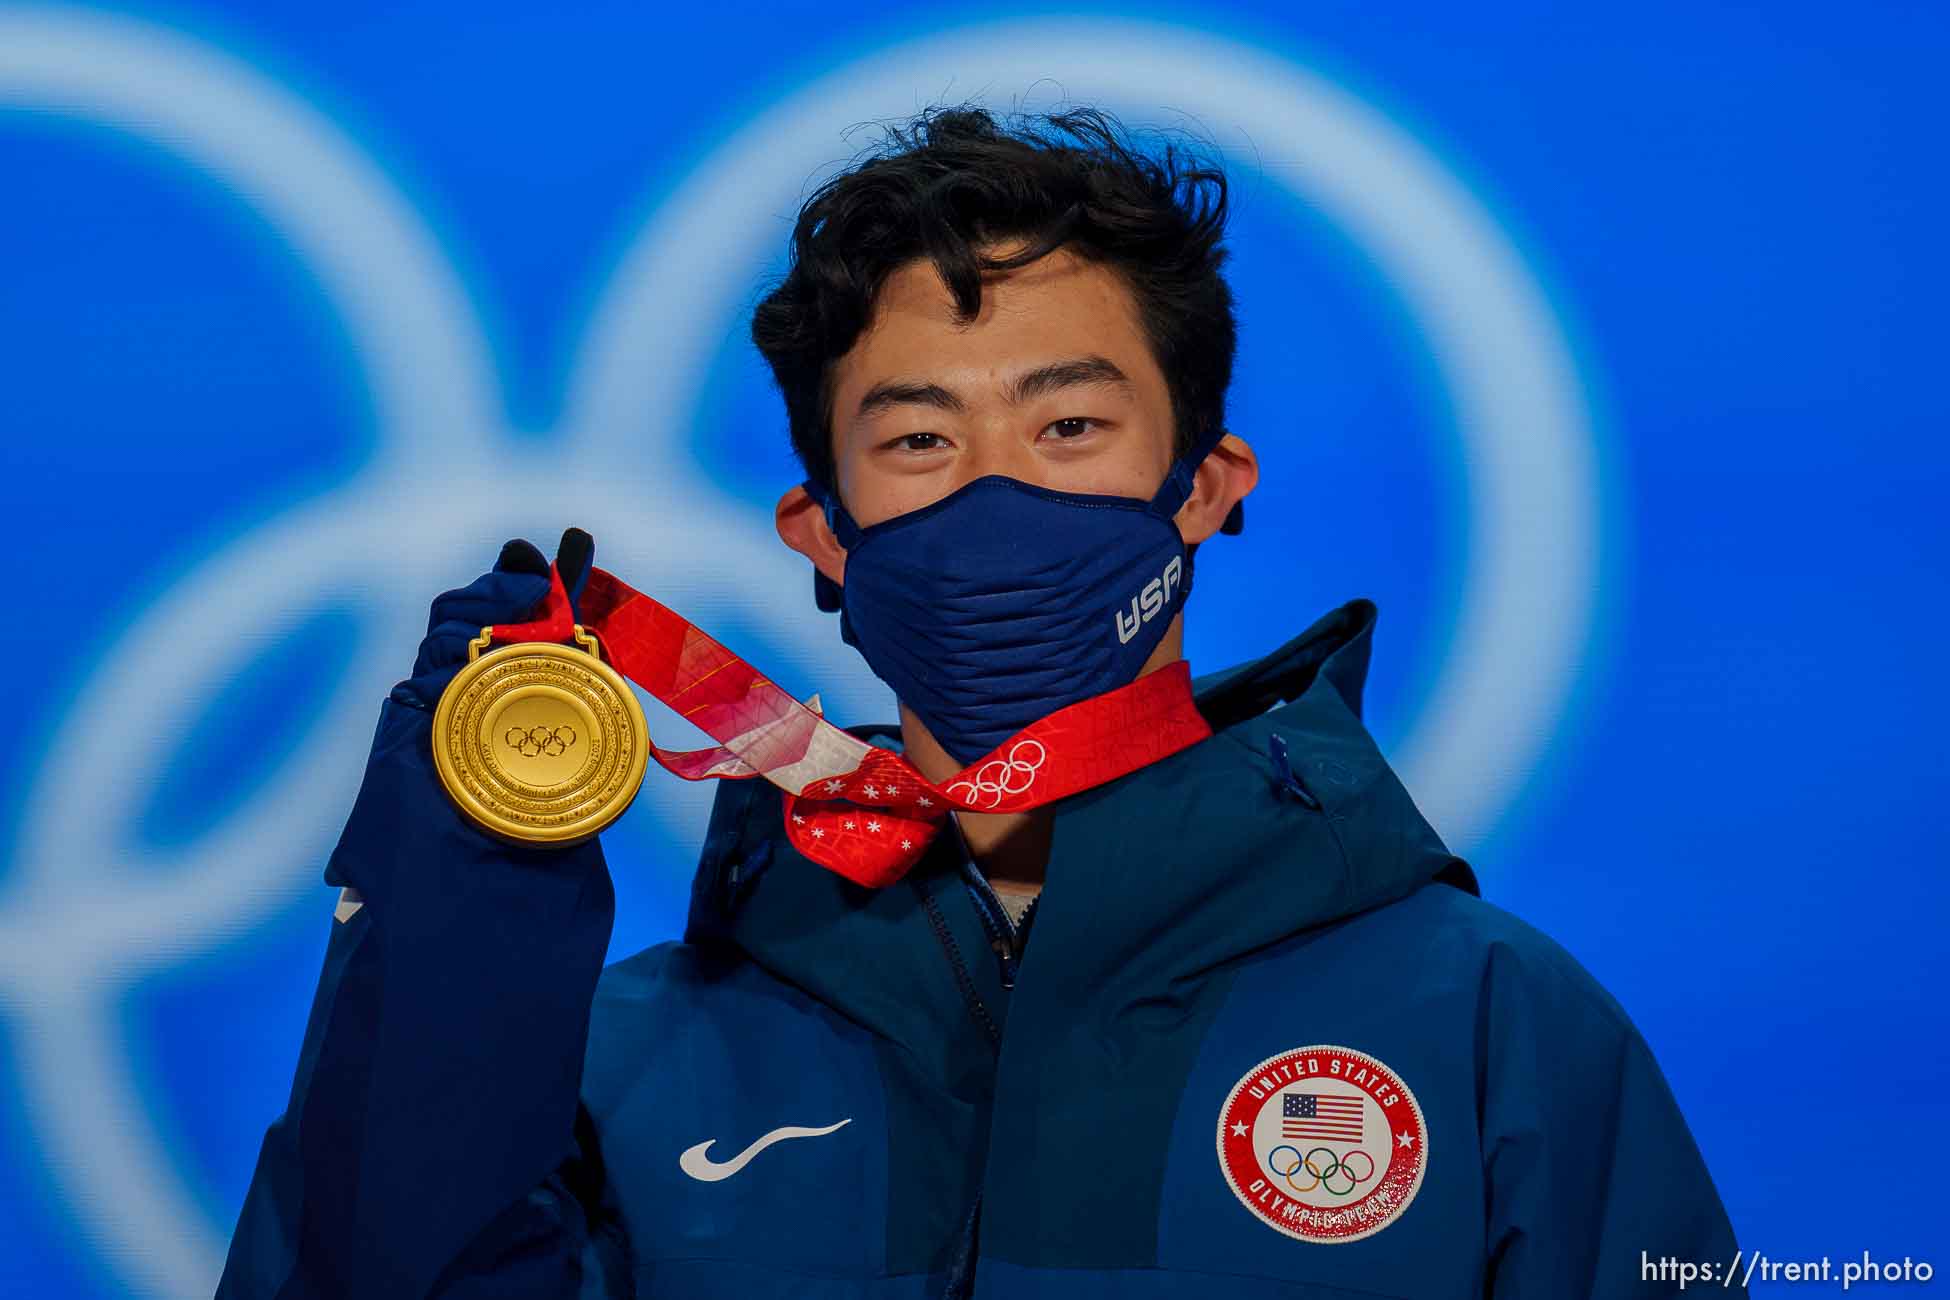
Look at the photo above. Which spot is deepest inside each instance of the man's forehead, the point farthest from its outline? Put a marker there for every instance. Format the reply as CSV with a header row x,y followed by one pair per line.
x,y
1061,310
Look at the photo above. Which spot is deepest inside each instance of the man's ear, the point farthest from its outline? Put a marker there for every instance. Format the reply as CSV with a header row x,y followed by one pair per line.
x,y
802,526
1222,481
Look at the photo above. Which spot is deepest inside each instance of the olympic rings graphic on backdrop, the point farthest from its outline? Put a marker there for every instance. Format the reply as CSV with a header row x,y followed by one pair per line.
x,y
999,776
85,914
539,740
1336,1165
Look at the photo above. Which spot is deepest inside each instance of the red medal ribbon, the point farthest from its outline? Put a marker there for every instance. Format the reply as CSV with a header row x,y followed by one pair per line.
x,y
860,810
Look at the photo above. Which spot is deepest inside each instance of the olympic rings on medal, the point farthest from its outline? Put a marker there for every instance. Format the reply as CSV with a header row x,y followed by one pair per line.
x,y
533,742
1005,776
1321,1171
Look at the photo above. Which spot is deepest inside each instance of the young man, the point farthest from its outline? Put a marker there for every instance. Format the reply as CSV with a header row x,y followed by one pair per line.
x,y
1266,1041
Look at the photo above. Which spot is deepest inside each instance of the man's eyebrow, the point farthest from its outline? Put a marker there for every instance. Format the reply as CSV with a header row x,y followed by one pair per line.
x,y
1043,380
898,392
1079,372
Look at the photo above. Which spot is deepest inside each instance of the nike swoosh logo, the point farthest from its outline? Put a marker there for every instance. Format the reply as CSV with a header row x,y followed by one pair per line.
x,y
706,1170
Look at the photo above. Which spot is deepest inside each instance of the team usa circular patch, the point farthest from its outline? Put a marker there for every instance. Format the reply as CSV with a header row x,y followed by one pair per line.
x,y
1323,1143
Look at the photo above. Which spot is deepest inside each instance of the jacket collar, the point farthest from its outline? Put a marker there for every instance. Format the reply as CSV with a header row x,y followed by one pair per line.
x,y
1285,819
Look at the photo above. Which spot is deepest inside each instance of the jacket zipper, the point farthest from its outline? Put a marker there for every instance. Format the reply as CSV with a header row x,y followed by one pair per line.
x,y
1006,937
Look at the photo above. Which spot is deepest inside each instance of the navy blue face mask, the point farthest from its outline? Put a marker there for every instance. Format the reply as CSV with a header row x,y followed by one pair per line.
x,y
1004,602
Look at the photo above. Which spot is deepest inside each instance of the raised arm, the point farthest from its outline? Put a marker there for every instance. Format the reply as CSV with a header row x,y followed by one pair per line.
x,y
431,1143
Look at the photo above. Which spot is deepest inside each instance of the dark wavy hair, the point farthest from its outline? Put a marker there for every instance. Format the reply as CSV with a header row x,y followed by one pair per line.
x,y
952,180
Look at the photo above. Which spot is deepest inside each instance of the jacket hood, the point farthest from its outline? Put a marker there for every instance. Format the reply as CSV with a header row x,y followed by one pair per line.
x,y
1286,818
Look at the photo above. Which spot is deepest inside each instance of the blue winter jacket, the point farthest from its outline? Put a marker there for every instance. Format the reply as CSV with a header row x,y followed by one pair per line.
x,y
902,1097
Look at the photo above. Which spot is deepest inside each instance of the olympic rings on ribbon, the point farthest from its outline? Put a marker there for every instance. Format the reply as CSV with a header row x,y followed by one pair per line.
x,y
533,742
1000,776
1336,1166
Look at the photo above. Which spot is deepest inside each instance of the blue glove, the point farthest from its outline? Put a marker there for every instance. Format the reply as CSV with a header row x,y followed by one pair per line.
x,y
511,592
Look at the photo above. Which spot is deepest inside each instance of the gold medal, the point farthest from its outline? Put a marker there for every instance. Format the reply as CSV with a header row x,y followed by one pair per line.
x,y
538,742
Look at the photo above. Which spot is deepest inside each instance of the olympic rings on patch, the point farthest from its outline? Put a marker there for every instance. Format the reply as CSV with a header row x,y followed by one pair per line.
x,y
1299,1163
1334,1167
1012,775
533,742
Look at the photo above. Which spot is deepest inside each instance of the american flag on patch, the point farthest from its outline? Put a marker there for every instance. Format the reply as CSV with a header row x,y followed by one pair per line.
x,y
1314,1115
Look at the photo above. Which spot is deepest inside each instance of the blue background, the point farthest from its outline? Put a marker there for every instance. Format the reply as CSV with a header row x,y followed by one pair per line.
x,y
1736,822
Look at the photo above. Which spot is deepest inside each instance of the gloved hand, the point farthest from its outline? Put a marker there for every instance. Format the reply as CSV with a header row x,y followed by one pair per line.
x,y
511,592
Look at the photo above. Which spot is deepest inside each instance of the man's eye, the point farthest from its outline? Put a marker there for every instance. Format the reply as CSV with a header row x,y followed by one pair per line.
x,y
1072,426
919,441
